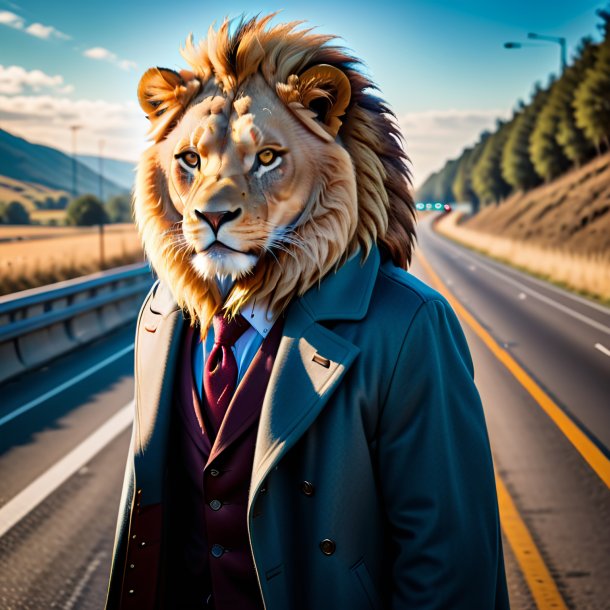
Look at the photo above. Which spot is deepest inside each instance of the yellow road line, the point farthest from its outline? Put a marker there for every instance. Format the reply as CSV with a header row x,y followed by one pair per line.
x,y
539,580
587,449
541,583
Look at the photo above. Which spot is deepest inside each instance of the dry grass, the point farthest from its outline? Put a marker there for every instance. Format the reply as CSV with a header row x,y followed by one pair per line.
x,y
588,274
27,193
44,254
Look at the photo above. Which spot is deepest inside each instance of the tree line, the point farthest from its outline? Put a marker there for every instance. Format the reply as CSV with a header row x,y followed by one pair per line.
x,y
83,211
564,125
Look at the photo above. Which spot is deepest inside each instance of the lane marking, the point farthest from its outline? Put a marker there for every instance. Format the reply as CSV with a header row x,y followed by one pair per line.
x,y
84,579
28,499
602,348
538,578
575,314
64,386
587,449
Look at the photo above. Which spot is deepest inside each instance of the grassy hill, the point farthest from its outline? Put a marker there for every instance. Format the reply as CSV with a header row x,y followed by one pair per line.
x,y
32,196
42,165
571,213
120,172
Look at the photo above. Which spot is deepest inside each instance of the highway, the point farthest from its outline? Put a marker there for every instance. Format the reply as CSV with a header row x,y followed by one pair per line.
x,y
64,438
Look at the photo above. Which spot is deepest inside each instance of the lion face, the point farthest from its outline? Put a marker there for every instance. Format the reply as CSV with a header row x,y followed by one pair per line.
x,y
272,163
241,171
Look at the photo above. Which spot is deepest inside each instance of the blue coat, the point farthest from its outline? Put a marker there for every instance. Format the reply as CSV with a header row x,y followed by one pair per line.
x,y
372,484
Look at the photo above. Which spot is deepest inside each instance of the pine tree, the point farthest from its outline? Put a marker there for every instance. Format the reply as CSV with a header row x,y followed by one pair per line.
x,y
592,98
546,154
572,139
517,167
487,180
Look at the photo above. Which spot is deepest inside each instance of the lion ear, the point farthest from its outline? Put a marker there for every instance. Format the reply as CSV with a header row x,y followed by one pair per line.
x,y
326,91
164,95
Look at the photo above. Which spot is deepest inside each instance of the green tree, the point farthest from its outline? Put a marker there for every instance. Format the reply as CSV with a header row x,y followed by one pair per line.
x,y
15,213
487,180
85,211
546,154
462,185
517,167
118,208
573,140
592,98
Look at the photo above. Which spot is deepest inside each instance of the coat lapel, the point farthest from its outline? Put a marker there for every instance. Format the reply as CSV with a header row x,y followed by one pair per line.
x,y
311,361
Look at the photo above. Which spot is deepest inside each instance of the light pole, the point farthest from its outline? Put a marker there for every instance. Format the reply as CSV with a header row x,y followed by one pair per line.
x,y
560,40
101,173
74,129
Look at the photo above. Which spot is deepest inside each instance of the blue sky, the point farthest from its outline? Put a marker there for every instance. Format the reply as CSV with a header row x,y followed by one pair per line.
x,y
440,65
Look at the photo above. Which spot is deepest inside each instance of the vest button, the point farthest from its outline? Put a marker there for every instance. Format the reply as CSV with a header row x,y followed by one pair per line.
x,y
215,504
328,546
307,488
217,550
214,472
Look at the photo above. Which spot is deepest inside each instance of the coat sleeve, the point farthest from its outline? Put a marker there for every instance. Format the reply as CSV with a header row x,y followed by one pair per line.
x,y
436,474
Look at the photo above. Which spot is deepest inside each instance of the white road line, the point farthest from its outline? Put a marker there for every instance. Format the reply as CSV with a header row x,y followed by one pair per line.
x,y
80,586
64,386
602,348
28,499
574,314
487,262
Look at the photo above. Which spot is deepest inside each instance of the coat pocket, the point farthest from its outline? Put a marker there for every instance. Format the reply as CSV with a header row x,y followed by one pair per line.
x,y
361,574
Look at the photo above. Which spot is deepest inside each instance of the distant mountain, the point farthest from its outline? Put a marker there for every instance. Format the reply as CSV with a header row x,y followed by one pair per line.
x,y
120,172
22,160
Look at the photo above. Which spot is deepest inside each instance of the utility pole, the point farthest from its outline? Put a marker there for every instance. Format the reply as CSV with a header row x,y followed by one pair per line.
x,y
101,174
101,165
74,129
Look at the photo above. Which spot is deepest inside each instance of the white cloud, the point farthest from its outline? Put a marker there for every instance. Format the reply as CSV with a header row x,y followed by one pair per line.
x,y
11,20
15,79
47,119
102,54
38,30
434,136
45,32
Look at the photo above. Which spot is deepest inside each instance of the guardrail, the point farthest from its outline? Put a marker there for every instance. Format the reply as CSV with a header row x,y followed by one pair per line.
x,y
40,324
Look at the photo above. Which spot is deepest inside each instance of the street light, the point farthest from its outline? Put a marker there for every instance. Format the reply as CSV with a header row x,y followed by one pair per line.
x,y
74,129
560,40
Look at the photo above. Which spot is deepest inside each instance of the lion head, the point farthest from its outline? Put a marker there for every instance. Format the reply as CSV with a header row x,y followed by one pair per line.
x,y
272,163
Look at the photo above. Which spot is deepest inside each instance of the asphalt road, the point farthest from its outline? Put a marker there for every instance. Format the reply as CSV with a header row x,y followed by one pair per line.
x,y
58,555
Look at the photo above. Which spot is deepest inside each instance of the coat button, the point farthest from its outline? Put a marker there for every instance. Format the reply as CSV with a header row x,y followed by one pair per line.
x,y
307,488
214,472
215,504
217,550
328,546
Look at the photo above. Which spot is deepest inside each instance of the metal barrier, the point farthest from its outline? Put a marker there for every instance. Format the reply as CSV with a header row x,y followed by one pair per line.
x,y
40,324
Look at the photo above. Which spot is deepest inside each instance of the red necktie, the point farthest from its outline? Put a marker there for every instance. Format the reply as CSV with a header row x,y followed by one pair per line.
x,y
220,370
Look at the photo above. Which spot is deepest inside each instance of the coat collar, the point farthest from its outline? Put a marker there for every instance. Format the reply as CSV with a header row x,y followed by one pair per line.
x,y
310,363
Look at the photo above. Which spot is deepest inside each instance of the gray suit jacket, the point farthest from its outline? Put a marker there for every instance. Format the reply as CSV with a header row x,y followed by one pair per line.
x,y
372,403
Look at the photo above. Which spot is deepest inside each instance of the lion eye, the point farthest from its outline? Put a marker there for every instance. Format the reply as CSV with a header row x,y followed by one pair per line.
x,y
189,158
267,156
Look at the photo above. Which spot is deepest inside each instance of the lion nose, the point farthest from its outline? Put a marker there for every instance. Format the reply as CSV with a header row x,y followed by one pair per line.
x,y
217,219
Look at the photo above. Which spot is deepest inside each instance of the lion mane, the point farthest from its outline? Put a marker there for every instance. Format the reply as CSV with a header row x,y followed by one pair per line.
x,y
360,202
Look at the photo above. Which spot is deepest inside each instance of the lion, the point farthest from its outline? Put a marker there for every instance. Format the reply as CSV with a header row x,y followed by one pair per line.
x,y
272,163
349,466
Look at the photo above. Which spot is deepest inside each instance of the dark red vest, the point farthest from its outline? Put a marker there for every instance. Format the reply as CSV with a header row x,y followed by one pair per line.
x,y
208,554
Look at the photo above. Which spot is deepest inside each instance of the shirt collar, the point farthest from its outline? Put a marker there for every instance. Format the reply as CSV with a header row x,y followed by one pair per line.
x,y
259,316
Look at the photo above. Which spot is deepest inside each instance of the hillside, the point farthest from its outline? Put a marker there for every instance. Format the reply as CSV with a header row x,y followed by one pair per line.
x,y
32,196
571,213
34,163
120,172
